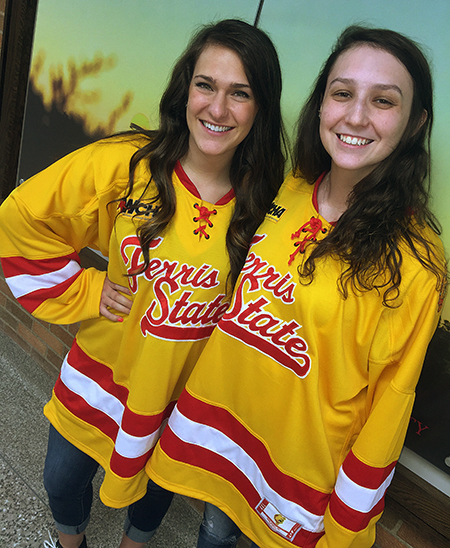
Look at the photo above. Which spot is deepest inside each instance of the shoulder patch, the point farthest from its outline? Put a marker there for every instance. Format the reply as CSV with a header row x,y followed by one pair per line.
x,y
136,208
275,212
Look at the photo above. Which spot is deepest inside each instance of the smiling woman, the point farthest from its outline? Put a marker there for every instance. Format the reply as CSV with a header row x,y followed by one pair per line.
x,y
174,209
375,86
220,112
295,414
363,115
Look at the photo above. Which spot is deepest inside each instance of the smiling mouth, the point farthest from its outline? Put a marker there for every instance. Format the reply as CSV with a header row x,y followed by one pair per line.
x,y
218,129
347,139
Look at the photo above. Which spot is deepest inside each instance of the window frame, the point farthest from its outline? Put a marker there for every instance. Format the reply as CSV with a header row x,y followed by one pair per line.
x,y
15,58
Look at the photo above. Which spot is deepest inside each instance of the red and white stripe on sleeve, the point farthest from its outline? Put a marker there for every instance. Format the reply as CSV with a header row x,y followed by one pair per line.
x,y
359,493
34,281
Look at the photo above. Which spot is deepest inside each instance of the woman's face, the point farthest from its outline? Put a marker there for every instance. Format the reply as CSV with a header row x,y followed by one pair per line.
x,y
221,107
365,109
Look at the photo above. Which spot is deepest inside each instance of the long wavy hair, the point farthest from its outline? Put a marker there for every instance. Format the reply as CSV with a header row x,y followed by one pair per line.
x,y
390,206
257,167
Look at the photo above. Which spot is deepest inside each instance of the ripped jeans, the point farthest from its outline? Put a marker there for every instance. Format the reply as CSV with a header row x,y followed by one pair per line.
x,y
217,529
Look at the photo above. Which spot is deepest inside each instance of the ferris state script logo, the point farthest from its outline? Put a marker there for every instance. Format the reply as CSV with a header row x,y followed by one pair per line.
x,y
251,322
173,313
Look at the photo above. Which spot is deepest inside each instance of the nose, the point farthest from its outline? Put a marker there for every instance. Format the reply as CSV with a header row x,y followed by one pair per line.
x,y
218,106
357,113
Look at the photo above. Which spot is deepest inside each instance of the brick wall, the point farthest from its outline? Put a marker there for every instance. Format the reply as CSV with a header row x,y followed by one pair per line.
x,y
399,528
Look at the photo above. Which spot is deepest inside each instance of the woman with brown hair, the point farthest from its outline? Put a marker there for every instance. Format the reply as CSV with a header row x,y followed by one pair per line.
x,y
295,415
174,210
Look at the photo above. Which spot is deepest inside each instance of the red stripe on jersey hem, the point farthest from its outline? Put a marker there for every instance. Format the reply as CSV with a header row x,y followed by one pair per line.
x,y
364,475
267,348
33,300
212,462
220,419
16,266
352,519
97,371
122,466
132,423
142,425
79,407
126,467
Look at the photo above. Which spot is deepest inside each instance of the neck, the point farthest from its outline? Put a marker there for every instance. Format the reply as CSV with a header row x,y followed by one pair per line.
x,y
211,178
333,196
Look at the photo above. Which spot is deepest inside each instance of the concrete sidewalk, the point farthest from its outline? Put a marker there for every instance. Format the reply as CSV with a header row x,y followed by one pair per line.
x,y
25,518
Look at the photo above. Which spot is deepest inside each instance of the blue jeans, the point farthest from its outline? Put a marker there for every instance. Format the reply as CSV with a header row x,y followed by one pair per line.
x,y
217,529
68,475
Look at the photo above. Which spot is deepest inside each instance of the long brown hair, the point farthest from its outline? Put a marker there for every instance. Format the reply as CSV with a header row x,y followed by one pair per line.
x,y
389,206
257,168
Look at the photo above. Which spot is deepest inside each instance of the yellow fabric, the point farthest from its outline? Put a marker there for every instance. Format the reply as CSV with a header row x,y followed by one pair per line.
x,y
359,362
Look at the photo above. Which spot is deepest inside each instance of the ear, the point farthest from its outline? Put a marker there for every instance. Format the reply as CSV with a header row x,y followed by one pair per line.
x,y
423,119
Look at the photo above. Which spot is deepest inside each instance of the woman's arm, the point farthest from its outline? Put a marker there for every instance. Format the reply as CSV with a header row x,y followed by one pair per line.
x,y
46,221
396,360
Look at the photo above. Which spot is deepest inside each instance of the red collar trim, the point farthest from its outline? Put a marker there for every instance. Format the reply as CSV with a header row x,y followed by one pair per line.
x,y
184,179
189,185
226,198
316,190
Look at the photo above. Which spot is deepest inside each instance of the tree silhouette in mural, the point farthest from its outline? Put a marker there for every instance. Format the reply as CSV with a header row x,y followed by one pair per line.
x,y
56,122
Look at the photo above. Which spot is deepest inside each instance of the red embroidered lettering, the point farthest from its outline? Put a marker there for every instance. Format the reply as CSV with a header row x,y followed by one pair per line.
x,y
184,320
135,261
256,326
175,312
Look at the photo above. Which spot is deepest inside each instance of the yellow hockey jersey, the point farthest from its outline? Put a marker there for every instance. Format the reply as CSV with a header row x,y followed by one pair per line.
x,y
119,382
295,414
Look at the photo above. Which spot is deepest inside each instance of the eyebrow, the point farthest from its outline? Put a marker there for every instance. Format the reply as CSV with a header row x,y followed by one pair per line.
x,y
377,86
235,85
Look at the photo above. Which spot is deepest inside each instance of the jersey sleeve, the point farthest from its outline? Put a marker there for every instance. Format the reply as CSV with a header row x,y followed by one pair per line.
x,y
396,359
44,224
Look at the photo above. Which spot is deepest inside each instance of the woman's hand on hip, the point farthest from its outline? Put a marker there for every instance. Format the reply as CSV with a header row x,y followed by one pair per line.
x,y
112,297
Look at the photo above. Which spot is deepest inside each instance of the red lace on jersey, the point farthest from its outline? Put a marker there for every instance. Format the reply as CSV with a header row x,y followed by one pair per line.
x,y
308,233
203,217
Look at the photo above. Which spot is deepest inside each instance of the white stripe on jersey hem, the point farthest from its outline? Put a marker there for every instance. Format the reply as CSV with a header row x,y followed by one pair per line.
x,y
357,497
126,445
209,438
23,284
91,392
130,447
